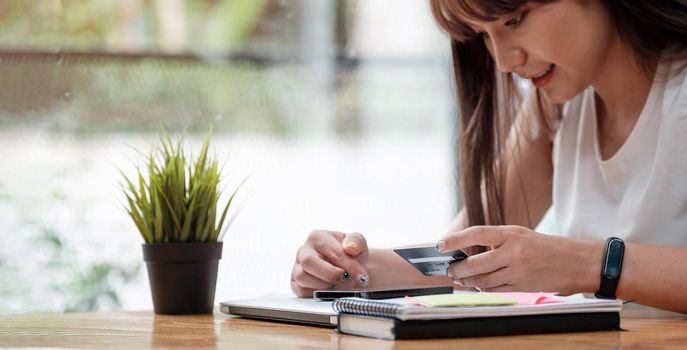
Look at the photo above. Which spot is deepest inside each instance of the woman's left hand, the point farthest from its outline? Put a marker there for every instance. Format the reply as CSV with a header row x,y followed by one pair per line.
x,y
524,261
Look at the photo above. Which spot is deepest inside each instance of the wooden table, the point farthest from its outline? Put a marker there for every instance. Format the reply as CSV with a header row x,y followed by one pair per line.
x,y
646,328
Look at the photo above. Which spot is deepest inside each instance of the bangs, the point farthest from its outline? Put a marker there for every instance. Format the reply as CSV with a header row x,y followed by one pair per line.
x,y
453,15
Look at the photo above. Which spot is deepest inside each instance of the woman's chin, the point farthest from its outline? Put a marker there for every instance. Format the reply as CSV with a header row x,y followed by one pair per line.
x,y
558,96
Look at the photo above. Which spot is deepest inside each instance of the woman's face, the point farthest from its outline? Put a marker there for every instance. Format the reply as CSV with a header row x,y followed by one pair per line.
x,y
562,47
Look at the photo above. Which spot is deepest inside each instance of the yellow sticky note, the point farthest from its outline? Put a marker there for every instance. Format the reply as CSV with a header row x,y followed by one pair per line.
x,y
467,299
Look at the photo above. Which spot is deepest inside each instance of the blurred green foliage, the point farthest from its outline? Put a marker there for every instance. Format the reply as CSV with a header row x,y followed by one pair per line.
x,y
115,95
86,25
81,288
45,268
226,25
78,93
4,195
55,279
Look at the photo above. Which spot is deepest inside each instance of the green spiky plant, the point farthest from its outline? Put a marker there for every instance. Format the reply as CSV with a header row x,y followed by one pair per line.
x,y
178,202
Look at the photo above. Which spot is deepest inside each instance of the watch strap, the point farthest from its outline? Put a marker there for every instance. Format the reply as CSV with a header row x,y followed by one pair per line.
x,y
611,268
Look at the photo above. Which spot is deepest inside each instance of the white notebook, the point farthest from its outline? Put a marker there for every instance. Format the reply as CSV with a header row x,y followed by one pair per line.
x,y
404,308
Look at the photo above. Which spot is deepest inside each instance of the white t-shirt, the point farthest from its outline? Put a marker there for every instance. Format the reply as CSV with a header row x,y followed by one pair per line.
x,y
640,193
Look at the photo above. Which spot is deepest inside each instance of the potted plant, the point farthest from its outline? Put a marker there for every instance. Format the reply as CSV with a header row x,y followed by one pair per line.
x,y
174,204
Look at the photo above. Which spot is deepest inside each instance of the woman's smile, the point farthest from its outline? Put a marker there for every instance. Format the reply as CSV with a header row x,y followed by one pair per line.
x,y
542,79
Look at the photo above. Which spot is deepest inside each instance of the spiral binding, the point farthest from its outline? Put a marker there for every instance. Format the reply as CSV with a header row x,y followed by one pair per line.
x,y
365,307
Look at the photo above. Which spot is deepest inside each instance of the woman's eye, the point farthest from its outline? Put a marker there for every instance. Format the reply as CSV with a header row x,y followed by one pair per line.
x,y
515,21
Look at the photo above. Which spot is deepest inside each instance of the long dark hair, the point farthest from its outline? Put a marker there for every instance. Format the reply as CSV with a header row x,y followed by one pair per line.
x,y
487,99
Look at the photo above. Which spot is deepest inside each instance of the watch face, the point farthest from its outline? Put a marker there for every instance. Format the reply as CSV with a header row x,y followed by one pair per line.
x,y
614,259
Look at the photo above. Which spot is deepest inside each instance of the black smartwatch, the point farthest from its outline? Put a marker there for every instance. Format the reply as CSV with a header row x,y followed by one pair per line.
x,y
611,268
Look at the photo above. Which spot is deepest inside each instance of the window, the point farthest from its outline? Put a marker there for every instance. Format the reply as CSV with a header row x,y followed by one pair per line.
x,y
341,111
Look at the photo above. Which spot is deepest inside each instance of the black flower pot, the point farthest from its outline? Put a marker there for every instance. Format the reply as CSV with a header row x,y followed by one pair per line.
x,y
182,276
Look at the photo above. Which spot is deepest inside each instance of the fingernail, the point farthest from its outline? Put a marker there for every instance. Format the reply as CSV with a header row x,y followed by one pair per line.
x,y
363,280
352,246
440,246
345,276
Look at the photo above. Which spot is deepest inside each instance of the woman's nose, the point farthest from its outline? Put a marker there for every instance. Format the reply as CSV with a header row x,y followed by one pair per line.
x,y
508,57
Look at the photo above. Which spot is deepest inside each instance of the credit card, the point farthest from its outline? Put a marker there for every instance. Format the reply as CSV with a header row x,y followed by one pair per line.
x,y
429,261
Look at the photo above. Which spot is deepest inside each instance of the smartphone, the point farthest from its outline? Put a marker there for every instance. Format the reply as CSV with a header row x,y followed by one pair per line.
x,y
382,293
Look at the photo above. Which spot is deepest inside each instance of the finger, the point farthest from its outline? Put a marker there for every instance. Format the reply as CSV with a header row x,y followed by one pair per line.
x,y
458,281
459,285
354,244
306,280
488,280
468,289
501,289
334,253
486,262
301,292
312,263
475,235
475,249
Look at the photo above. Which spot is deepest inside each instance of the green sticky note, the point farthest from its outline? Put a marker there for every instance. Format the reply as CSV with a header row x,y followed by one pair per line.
x,y
460,299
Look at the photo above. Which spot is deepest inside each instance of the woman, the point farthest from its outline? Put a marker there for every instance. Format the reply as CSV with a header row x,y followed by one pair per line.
x,y
603,136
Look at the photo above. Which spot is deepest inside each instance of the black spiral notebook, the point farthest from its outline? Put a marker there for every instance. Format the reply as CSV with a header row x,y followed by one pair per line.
x,y
396,319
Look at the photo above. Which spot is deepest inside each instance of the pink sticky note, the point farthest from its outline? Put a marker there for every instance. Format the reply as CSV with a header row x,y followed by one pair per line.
x,y
532,298
412,301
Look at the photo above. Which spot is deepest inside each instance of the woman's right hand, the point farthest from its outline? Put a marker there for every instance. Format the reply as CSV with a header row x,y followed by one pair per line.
x,y
330,259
